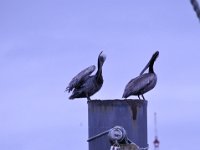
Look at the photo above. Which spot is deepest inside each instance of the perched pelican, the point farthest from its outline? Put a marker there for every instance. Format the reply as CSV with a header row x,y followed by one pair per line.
x,y
144,82
83,85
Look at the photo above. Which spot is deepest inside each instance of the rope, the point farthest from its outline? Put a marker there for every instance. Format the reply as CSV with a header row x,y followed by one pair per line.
x,y
145,148
196,8
139,148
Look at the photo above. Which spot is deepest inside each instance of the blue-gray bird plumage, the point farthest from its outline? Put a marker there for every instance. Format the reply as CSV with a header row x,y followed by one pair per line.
x,y
84,85
144,82
80,77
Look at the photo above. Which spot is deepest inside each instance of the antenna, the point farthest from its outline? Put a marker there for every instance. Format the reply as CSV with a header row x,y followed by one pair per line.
x,y
156,142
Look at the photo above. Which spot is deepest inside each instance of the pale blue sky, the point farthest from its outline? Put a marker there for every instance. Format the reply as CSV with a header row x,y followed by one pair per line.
x,y
44,43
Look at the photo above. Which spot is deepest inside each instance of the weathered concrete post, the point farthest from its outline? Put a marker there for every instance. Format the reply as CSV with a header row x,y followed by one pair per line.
x,y
105,114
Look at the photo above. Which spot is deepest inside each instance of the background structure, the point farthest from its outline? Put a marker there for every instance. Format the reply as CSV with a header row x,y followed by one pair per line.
x,y
44,43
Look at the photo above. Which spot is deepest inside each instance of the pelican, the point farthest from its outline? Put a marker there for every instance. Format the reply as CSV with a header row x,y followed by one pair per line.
x,y
144,82
84,85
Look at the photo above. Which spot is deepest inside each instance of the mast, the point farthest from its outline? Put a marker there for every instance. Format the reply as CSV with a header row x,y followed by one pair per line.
x,y
156,142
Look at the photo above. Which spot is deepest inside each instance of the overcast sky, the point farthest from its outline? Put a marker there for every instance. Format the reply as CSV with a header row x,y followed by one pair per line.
x,y
44,43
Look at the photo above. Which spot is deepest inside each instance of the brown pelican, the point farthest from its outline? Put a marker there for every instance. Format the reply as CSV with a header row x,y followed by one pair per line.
x,y
83,85
144,82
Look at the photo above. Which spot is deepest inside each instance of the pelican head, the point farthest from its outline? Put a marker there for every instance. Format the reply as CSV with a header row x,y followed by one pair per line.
x,y
101,58
150,63
154,56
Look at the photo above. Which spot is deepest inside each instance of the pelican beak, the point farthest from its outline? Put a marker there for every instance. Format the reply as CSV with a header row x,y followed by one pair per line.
x,y
153,58
145,68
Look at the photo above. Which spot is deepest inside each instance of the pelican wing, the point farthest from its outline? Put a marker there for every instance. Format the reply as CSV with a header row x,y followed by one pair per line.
x,y
80,78
138,85
143,83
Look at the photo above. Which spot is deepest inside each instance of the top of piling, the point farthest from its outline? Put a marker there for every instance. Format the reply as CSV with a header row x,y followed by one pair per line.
x,y
117,101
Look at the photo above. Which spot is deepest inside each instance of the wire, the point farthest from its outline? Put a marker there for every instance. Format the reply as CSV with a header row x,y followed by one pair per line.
x,y
196,7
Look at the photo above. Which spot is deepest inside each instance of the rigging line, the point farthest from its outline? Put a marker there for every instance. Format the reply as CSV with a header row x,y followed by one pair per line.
x,y
196,7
